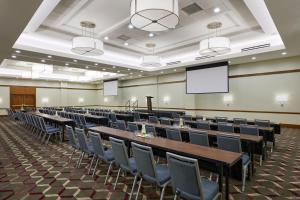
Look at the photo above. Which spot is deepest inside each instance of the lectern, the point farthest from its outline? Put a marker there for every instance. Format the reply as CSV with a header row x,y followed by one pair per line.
x,y
149,103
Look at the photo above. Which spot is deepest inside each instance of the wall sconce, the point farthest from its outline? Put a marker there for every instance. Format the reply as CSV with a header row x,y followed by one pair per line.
x,y
228,99
133,99
166,100
45,100
105,99
281,99
80,100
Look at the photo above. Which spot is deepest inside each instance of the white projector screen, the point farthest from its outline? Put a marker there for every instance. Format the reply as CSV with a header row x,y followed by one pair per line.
x,y
211,78
110,88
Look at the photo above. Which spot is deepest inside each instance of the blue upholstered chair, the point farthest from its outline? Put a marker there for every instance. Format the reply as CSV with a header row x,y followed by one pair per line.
x,y
186,180
122,160
153,119
199,137
150,130
203,125
221,119
239,121
100,154
85,147
173,134
121,125
72,141
233,143
225,127
148,170
132,127
165,121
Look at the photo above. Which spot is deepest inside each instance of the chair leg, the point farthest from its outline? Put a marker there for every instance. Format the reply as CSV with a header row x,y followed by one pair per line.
x,y
244,178
107,174
91,164
117,179
163,192
95,168
260,160
48,139
71,155
80,160
138,191
175,197
133,186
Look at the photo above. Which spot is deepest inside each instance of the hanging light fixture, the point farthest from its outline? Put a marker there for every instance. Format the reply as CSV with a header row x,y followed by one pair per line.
x,y
87,44
154,15
215,45
151,61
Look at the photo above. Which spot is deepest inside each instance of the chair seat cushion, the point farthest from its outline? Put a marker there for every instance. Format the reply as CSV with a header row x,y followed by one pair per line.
x,y
109,155
132,164
246,159
210,189
163,173
89,125
52,130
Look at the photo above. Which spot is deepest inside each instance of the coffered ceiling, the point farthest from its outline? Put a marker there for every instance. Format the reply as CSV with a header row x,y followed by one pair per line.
x,y
247,23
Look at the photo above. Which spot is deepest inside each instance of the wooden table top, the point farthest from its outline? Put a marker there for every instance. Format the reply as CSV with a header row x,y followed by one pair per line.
x,y
53,117
243,137
192,150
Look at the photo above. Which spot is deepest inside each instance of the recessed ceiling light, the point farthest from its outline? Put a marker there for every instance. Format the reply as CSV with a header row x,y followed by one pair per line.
x,y
43,61
131,73
13,56
229,61
140,74
118,71
283,53
106,38
67,64
18,51
86,67
175,70
151,35
126,44
96,64
217,10
142,71
128,69
162,72
114,67
103,69
75,60
253,58
49,56
130,26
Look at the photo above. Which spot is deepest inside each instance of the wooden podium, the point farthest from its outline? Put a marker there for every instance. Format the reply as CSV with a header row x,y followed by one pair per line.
x,y
149,103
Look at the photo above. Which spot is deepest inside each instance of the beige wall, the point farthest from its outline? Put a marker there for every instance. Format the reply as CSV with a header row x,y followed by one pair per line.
x,y
255,93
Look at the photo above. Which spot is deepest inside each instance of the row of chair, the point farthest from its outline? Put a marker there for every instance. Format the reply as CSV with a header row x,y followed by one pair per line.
x,y
181,172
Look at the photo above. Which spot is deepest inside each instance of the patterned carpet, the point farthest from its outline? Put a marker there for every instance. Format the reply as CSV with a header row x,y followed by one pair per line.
x,y
29,170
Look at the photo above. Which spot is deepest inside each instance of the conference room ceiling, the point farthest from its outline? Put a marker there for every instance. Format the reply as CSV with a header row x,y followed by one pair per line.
x,y
56,22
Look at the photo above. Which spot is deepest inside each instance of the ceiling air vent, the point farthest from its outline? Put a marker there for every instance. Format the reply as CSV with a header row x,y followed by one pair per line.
x,y
123,37
192,9
256,47
203,57
173,63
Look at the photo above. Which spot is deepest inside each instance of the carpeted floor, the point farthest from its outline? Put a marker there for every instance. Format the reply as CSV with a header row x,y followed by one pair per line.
x,y
29,170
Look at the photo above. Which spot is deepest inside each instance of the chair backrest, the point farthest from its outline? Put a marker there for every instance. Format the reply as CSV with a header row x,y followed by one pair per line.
x,y
120,152
136,117
132,127
229,143
225,127
150,129
165,121
185,176
82,119
239,121
200,138
82,140
40,122
121,125
199,117
249,129
144,161
262,123
71,136
113,117
203,125
221,119
97,144
187,117
173,134
175,115
153,119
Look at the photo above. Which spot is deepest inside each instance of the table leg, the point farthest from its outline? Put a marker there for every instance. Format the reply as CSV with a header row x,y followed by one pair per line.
x,y
251,158
221,177
227,174
63,133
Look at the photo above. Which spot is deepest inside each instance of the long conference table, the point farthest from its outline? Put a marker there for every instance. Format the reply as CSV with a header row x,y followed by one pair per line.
x,y
222,159
252,141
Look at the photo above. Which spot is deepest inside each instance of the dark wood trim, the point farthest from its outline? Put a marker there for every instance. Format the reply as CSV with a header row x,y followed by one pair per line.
x,y
266,73
296,126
